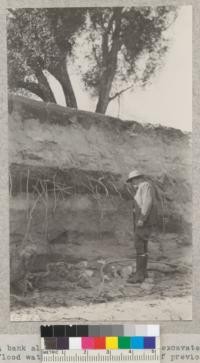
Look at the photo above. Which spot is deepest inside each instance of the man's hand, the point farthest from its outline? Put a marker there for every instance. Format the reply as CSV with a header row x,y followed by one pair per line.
x,y
140,223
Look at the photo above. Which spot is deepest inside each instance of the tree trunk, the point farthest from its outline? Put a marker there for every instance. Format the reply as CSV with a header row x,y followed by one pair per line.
x,y
48,95
104,94
107,80
31,87
36,89
62,75
110,66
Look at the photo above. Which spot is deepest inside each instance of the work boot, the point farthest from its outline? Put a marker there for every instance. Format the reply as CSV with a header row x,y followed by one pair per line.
x,y
139,276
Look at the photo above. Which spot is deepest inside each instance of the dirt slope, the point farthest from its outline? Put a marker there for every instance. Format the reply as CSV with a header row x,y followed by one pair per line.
x,y
70,203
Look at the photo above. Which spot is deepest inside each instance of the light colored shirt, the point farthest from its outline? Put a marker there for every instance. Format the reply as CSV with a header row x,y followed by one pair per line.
x,y
144,198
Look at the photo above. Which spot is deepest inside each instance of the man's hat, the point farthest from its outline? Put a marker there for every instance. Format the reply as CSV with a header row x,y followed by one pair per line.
x,y
133,174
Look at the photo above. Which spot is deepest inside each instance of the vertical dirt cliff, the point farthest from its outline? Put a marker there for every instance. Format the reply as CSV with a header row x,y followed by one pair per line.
x,y
69,203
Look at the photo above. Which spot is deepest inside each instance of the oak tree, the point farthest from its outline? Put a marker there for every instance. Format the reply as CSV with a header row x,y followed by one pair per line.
x,y
123,47
41,40
126,47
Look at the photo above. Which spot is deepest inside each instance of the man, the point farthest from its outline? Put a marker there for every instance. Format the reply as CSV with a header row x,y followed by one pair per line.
x,y
144,216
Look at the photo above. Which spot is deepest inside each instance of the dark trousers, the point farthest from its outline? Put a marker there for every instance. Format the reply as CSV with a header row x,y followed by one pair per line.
x,y
141,237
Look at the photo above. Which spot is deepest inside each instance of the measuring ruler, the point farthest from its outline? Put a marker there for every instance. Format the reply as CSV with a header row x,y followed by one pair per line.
x,y
98,356
100,344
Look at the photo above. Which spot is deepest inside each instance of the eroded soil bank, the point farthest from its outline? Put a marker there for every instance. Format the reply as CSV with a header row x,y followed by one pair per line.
x,y
97,289
71,228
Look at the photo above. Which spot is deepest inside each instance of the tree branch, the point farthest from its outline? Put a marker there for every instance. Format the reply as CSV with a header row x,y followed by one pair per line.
x,y
116,41
97,58
37,66
119,93
116,16
44,84
105,47
109,65
110,23
31,87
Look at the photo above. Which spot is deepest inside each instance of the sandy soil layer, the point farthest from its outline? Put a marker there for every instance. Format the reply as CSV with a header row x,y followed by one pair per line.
x,y
86,291
167,309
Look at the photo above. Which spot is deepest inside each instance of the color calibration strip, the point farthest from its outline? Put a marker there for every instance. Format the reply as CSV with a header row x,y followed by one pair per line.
x,y
100,343
105,343
100,337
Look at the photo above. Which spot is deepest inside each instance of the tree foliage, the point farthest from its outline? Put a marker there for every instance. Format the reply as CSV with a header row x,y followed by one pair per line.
x,y
127,47
123,47
38,40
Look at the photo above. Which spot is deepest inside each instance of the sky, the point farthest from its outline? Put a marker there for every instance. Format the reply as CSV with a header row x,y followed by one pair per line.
x,y
168,100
